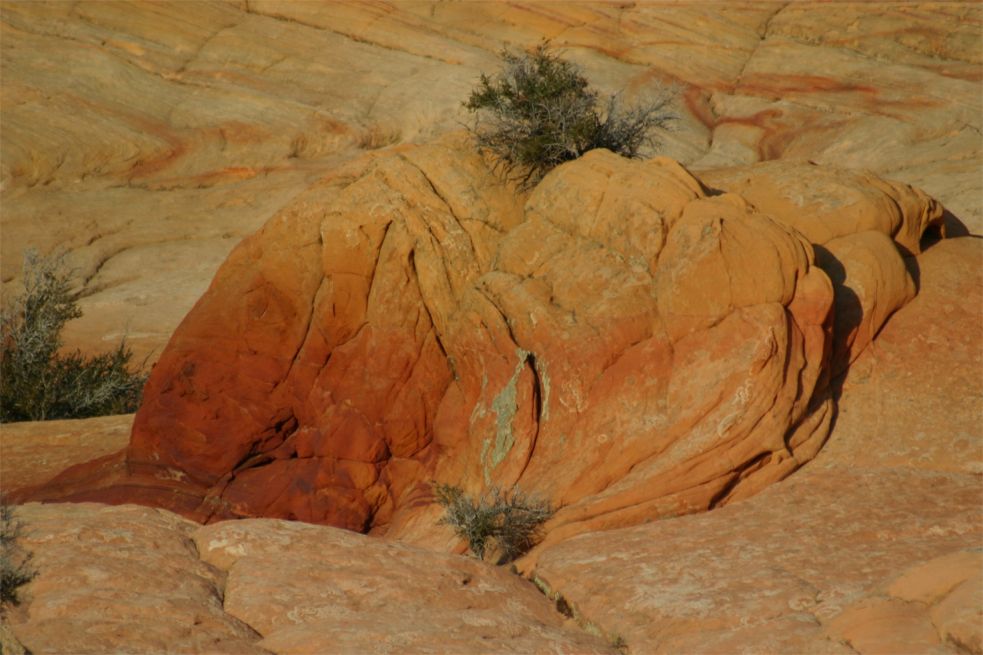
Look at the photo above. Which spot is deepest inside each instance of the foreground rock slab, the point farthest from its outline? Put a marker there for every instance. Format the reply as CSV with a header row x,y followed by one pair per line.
x,y
308,589
138,580
788,571
114,579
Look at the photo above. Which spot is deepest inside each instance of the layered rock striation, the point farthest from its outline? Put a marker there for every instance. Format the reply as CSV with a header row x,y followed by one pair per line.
x,y
874,547
626,341
180,128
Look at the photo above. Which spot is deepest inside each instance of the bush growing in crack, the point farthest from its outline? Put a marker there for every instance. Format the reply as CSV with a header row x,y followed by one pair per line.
x,y
539,112
510,520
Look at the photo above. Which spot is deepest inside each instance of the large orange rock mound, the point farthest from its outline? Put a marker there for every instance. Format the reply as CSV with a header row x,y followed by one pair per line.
x,y
625,341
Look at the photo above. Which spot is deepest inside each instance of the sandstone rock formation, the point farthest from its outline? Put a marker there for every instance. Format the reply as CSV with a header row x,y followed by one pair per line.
x,y
181,128
122,572
228,110
138,580
873,547
629,344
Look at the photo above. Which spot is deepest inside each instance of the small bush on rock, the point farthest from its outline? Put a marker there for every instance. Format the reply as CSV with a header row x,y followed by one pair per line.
x,y
15,564
37,382
509,519
539,112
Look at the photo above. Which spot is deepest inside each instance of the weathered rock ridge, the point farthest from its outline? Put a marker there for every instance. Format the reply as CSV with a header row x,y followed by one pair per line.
x,y
626,341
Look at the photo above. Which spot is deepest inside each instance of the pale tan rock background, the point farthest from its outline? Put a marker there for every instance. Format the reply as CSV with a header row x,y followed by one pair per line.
x,y
147,139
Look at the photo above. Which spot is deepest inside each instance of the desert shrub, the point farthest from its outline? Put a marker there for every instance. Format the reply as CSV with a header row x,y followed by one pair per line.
x,y
15,564
37,382
539,111
509,519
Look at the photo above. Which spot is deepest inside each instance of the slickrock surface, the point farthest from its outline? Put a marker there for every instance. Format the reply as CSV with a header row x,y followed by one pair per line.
x,y
114,579
875,545
915,399
310,589
179,128
137,580
32,453
788,571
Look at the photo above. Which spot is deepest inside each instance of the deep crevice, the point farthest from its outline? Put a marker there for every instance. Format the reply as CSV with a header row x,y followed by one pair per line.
x,y
737,477
537,404
569,611
537,391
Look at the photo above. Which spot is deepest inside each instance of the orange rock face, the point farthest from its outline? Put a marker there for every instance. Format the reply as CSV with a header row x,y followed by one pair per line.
x,y
624,341
871,548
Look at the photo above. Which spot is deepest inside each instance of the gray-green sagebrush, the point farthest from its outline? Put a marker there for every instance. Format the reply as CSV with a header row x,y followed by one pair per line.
x,y
39,382
15,563
509,519
539,111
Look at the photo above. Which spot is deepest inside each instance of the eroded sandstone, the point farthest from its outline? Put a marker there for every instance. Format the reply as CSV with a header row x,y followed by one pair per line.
x,y
625,341
230,110
873,547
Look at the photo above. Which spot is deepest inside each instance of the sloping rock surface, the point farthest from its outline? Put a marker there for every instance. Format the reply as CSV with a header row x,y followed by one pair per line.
x,y
873,547
629,344
32,453
120,579
179,128
138,580
309,589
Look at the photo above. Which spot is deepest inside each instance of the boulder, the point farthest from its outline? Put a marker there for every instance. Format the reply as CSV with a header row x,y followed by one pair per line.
x,y
861,228
872,547
624,342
